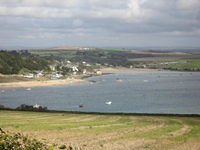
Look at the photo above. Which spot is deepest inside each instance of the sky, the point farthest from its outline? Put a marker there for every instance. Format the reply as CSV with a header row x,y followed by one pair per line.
x,y
53,23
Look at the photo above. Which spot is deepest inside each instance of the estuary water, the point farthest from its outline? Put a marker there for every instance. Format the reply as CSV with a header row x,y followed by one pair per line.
x,y
156,92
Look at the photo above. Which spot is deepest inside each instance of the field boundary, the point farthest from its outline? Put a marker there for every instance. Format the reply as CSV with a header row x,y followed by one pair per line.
x,y
108,113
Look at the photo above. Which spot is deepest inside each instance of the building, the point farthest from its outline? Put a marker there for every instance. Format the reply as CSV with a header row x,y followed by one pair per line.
x,y
98,72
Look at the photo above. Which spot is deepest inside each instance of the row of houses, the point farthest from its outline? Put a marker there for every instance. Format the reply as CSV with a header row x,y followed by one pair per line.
x,y
74,67
156,64
37,75
55,75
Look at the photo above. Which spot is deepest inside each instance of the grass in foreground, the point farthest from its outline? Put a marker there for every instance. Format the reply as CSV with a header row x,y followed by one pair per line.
x,y
93,131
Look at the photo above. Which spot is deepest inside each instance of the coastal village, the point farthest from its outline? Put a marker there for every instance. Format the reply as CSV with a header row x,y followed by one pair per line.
x,y
74,69
56,73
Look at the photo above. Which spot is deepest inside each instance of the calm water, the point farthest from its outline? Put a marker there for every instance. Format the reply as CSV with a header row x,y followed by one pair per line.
x,y
158,92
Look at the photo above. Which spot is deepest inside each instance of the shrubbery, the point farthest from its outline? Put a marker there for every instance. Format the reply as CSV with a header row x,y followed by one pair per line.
x,y
24,107
18,141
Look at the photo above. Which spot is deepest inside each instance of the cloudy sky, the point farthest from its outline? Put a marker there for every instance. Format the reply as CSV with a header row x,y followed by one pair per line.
x,y
51,23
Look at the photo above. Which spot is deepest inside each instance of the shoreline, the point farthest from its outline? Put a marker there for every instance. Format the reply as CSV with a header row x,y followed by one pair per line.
x,y
30,84
127,70
105,113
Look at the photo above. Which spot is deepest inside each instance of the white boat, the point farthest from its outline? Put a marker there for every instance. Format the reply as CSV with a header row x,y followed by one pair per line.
x,y
109,103
28,89
36,106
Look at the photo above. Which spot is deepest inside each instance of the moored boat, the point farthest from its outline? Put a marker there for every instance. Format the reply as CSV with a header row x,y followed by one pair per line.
x,y
109,103
81,105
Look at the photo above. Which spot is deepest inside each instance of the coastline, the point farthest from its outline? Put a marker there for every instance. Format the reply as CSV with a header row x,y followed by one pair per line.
x,y
127,70
29,84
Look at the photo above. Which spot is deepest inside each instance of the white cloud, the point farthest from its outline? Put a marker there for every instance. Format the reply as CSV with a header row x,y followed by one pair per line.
x,y
51,3
35,12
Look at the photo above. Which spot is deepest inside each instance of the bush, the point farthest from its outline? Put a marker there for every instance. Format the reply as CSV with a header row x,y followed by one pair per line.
x,y
18,141
24,107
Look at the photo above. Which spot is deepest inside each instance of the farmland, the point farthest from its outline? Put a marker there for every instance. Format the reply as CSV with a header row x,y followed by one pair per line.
x,y
101,131
152,59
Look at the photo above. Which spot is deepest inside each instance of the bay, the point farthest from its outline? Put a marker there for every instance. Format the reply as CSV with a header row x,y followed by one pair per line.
x,y
156,92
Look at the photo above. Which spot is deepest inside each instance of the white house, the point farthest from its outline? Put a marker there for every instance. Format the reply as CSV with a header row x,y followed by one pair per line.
x,y
74,68
84,71
30,75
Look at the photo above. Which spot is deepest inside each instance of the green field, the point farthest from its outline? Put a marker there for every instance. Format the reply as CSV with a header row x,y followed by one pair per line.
x,y
114,50
98,131
187,61
13,78
18,78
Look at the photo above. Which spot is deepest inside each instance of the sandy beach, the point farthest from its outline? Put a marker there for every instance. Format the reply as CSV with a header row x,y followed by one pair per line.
x,y
30,84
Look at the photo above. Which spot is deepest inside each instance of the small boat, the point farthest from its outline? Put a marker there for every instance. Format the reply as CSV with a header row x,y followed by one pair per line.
x,y
109,103
81,105
119,80
28,89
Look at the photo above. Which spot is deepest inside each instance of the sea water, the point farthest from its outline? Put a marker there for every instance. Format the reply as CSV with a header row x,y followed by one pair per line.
x,y
156,92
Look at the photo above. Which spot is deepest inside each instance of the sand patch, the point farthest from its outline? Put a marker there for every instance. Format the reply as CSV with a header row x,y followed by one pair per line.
x,y
40,83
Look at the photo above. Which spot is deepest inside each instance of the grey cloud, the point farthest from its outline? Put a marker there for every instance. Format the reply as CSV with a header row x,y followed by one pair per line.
x,y
118,21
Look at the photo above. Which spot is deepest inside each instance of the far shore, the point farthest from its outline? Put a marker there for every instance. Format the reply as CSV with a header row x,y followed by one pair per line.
x,y
127,70
29,84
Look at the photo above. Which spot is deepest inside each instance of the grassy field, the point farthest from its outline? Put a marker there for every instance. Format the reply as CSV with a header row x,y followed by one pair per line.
x,y
100,132
13,78
183,61
18,78
150,58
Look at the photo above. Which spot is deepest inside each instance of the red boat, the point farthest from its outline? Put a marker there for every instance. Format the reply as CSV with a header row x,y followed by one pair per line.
x,y
119,81
81,105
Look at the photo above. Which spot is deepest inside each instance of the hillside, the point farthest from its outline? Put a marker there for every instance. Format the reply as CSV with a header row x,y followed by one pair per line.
x,y
14,62
152,59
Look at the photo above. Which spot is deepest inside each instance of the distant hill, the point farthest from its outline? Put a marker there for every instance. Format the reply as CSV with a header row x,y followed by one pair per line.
x,y
68,48
156,48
